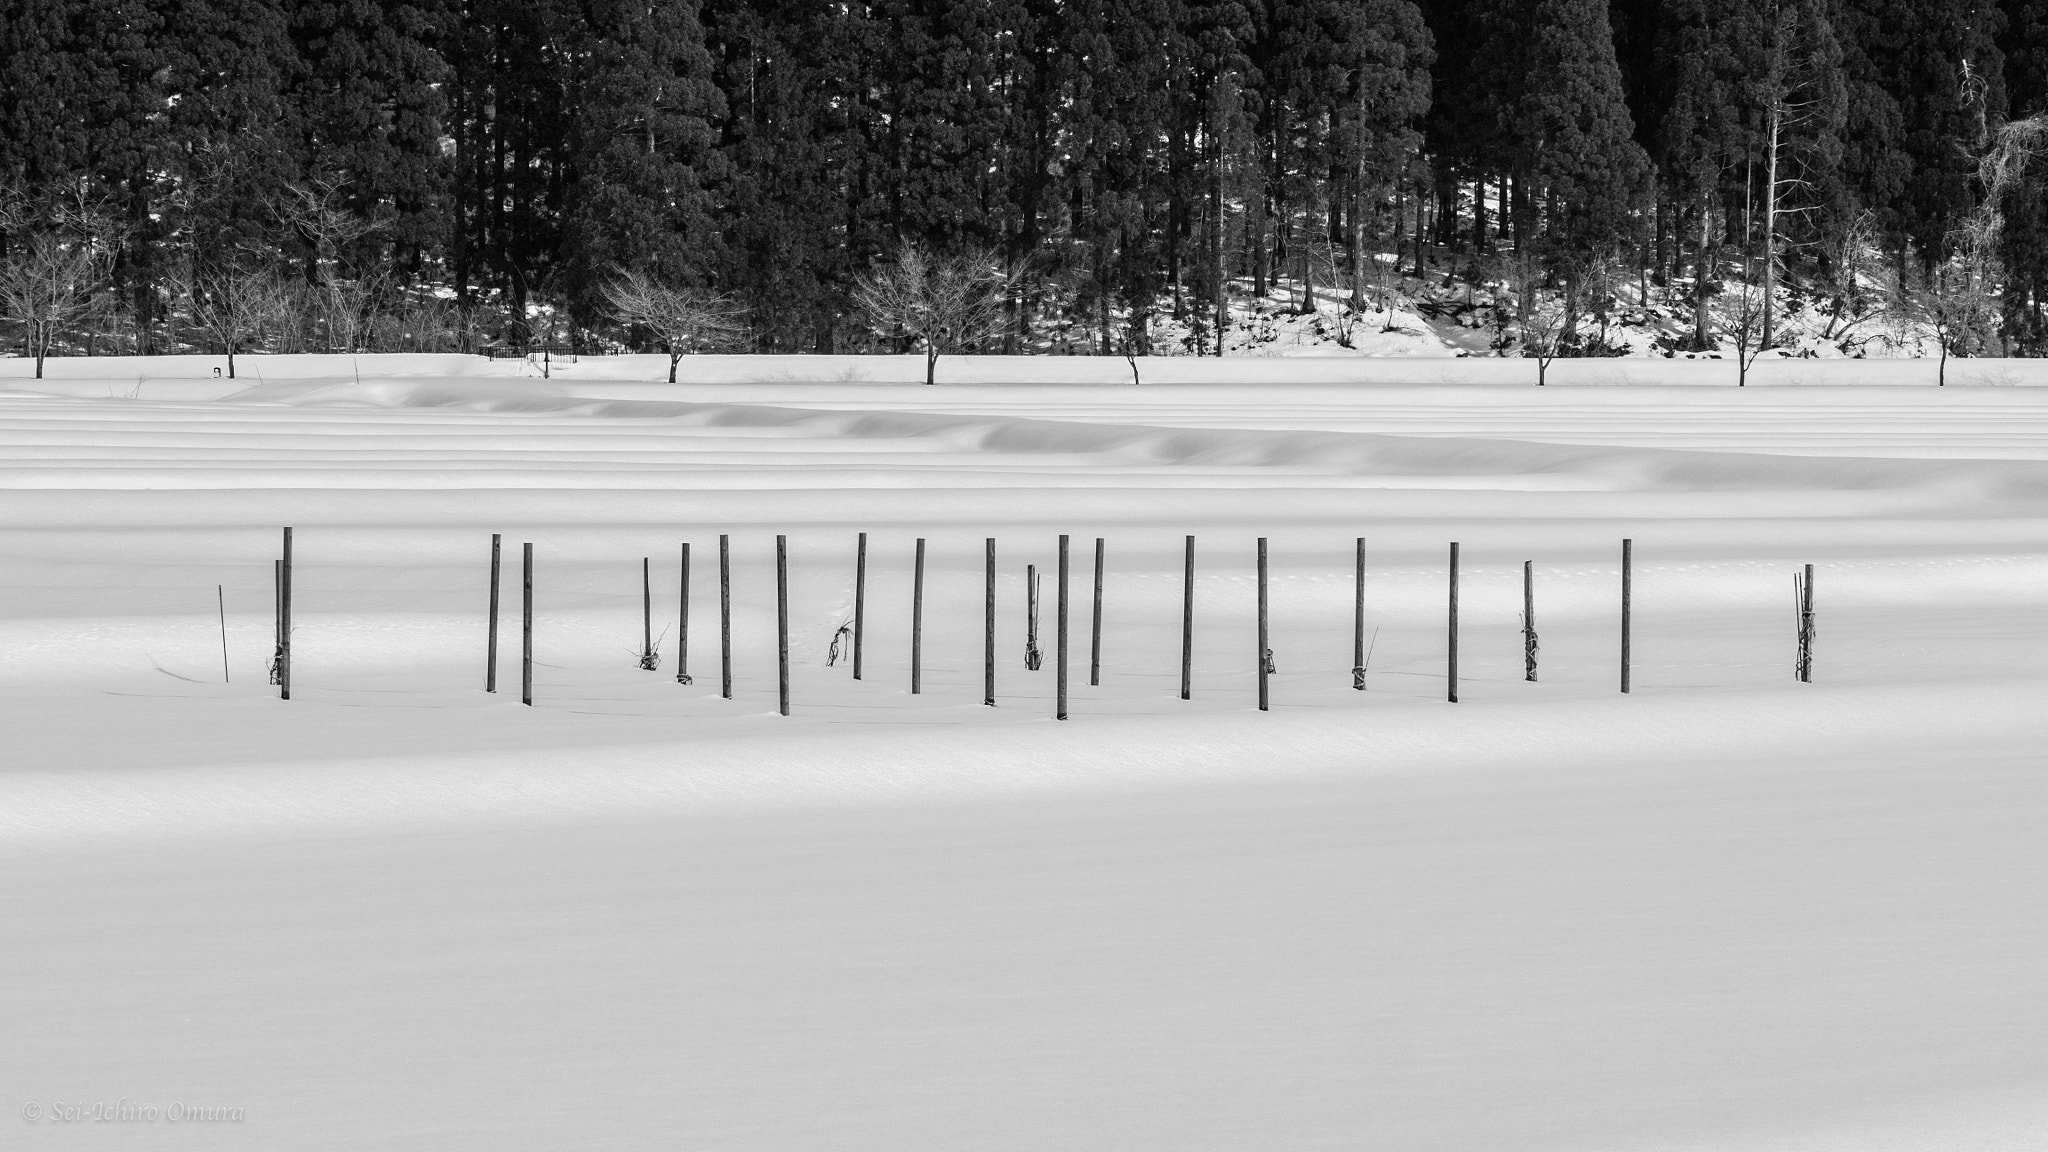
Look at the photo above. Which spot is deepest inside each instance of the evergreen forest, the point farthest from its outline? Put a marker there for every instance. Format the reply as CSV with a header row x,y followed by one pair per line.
x,y
443,175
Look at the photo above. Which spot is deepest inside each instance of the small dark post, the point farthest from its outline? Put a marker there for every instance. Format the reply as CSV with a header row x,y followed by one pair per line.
x,y
683,620
1529,621
988,626
1358,620
526,626
860,598
647,657
725,615
1265,646
1187,625
1095,624
1060,641
276,615
917,621
782,622
491,630
284,620
1627,604
220,593
1452,667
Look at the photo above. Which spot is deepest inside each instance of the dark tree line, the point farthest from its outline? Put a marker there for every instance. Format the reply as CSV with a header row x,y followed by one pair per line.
x,y
462,172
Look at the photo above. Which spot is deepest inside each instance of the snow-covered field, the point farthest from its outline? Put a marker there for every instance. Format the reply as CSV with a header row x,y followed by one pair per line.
x,y
1725,912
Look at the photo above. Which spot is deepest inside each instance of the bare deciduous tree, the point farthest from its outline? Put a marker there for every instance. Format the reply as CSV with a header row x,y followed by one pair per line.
x,y
47,285
946,304
233,304
683,320
1745,320
1543,317
1954,300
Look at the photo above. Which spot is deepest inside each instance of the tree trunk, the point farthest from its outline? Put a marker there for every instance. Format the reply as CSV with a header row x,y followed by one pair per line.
x,y
1702,274
931,363
1479,216
1355,236
673,360
1216,255
1771,223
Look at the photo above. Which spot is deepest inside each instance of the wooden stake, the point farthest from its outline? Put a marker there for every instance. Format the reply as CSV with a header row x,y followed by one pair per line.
x,y
491,630
1529,643
917,621
1358,620
1187,625
860,599
220,593
782,622
526,625
1627,605
1265,645
725,615
647,658
284,621
1452,668
1095,623
1805,603
683,621
1032,656
1060,640
988,626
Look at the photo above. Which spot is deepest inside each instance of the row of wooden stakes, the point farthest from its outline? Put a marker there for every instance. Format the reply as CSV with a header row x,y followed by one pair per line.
x,y
281,662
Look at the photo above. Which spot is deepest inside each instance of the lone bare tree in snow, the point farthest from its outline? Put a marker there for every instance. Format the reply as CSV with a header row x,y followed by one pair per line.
x,y
1543,317
683,319
47,285
233,304
947,304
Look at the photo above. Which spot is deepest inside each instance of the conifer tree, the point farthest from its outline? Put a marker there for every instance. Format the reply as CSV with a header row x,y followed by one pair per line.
x,y
639,158
1566,132
370,95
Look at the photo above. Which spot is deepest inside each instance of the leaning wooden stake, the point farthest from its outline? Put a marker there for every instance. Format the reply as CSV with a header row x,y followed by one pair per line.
x,y
220,594
782,623
725,616
917,621
1529,621
1451,668
491,629
1265,642
988,625
1059,711
1627,606
683,621
1095,623
284,621
860,599
1358,620
526,625
1187,624
648,660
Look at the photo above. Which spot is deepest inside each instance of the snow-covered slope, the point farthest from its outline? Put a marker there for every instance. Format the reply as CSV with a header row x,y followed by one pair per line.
x,y
1727,911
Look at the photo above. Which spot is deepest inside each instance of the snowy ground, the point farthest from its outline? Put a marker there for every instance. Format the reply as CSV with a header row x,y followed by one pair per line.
x,y
1726,912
